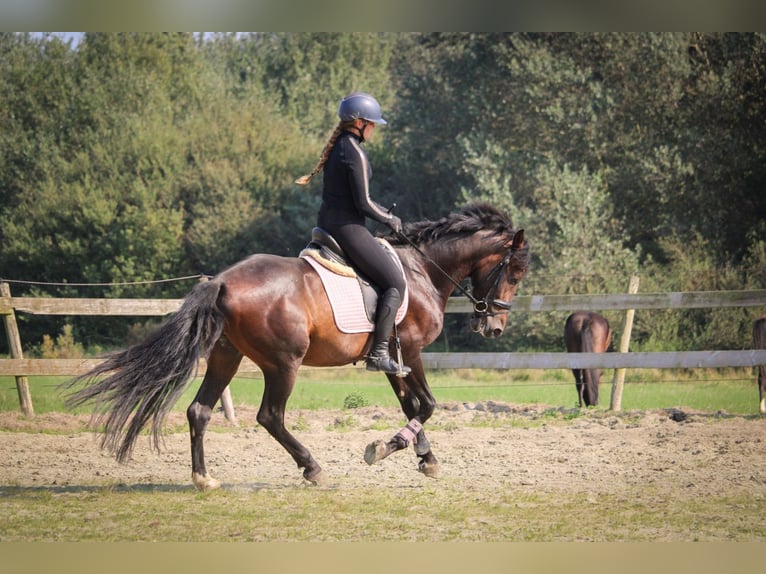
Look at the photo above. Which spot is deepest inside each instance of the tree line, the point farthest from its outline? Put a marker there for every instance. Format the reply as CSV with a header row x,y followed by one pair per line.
x,y
133,157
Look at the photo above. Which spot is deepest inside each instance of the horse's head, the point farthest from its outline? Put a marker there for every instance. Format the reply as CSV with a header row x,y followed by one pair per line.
x,y
495,281
478,242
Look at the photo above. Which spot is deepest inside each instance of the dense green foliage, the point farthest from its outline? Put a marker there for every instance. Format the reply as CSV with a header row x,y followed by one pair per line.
x,y
143,157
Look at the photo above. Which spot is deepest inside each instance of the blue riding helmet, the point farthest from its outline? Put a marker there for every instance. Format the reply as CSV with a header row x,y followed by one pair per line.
x,y
360,105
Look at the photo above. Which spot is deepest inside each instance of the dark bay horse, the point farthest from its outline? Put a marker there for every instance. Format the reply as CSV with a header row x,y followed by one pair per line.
x,y
759,342
275,311
587,332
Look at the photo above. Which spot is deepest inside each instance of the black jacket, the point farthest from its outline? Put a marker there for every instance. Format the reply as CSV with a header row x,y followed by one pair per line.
x,y
346,190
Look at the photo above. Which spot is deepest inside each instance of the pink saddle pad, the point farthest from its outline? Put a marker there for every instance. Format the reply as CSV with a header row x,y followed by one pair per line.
x,y
345,295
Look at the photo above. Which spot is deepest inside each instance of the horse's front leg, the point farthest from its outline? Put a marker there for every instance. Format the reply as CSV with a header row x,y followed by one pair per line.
x,y
418,405
221,367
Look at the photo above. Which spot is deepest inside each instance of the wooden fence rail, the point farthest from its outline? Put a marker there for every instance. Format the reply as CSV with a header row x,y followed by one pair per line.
x,y
655,360
19,367
160,307
625,301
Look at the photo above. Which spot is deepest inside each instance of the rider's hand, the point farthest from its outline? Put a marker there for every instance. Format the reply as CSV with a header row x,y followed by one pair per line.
x,y
395,224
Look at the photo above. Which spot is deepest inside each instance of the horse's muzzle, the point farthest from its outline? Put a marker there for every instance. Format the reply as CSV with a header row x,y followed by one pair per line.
x,y
489,328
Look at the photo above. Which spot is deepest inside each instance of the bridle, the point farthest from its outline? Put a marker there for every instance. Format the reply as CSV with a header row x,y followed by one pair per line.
x,y
481,307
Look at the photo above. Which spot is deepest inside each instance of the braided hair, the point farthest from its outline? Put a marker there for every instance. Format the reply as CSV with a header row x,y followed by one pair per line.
x,y
342,126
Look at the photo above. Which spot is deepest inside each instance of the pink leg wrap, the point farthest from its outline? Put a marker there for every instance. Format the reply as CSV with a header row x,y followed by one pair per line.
x,y
411,430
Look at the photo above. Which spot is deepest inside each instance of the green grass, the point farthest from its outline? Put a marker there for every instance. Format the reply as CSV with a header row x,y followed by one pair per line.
x,y
449,512
732,391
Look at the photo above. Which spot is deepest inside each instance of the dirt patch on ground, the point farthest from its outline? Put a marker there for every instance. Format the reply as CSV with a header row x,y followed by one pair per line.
x,y
486,445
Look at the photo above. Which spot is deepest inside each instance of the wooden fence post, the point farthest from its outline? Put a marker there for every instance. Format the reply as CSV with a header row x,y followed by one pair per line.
x,y
619,374
14,344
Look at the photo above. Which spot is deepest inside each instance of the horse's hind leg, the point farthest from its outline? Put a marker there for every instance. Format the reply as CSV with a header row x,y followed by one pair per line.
x,y
579,385
222,365
278,384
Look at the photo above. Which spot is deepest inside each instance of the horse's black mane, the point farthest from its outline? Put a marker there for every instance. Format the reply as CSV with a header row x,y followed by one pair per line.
x,y
477,216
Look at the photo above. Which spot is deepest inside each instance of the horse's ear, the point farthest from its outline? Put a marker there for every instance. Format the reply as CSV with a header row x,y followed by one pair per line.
x,y
518,239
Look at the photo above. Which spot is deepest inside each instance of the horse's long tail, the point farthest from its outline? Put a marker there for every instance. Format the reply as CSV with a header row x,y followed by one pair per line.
x,y
586,336
145,380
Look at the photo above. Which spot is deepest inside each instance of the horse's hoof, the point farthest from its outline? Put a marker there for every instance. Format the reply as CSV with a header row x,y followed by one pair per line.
x,y
318,478
375,451
431,470
205,482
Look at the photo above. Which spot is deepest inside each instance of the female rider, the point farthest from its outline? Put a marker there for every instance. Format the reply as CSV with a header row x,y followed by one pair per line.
x,y
346,203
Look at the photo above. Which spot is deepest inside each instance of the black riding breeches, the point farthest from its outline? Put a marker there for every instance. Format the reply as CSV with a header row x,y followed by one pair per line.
x,y
366,253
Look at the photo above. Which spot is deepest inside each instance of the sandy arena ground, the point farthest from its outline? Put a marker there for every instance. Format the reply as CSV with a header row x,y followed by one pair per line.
x,y
486,444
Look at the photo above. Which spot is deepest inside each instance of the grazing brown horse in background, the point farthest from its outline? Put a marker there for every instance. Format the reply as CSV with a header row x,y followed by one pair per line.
x,y
759,341
587,332
275,311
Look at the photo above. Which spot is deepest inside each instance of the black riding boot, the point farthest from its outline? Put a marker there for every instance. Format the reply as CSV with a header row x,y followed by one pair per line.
x,y
379,358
